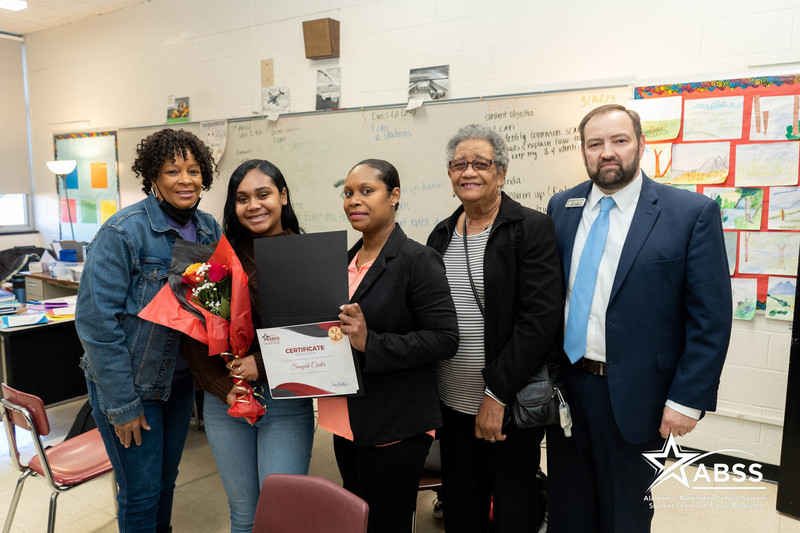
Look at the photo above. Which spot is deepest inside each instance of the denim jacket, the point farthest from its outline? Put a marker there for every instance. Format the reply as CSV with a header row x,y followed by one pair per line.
x,y
128,262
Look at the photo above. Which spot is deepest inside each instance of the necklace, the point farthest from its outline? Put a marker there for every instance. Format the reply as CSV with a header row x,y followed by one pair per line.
x,y
491,219
364,258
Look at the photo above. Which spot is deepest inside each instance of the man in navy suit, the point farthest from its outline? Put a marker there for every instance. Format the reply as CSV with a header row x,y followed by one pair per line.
x,y
648,358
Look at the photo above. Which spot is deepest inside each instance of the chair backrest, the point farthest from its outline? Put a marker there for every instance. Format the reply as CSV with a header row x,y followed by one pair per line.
x,y
34,406
18,409
308,504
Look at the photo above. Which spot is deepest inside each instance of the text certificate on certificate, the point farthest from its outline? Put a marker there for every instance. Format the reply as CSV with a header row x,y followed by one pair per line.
x,y
308,360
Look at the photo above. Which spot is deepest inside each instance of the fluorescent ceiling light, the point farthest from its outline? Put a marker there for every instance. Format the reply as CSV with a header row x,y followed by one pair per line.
x,y
13,5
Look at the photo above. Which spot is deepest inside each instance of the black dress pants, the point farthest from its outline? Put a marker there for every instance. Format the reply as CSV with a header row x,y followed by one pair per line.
x,y
475,472
386,477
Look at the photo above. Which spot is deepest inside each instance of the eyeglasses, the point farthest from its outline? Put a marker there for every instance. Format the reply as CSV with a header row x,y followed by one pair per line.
x,y
478,165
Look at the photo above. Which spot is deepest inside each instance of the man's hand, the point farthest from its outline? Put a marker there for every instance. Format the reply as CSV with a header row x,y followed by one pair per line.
x,y
675,423
131,431
489,422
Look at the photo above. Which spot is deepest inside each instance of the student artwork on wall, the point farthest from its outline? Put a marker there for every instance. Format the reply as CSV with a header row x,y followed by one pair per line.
x,y
784,208
177,109
764,164
711,119
780,298
743,292
215,134
700,163
657,162
741,208
93,187
759,197
775,118
762,252
730,249
661,117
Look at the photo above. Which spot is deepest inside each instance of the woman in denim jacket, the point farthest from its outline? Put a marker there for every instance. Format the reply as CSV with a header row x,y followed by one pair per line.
x,y
140,389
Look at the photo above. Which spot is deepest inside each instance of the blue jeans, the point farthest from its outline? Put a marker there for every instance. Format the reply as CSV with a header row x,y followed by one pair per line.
x,y
146,473
280,442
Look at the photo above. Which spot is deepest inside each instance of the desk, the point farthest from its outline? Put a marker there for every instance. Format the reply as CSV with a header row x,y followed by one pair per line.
x,y
44,287
43,360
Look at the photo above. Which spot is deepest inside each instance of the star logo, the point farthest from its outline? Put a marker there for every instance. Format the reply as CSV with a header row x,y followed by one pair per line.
x,y
676,470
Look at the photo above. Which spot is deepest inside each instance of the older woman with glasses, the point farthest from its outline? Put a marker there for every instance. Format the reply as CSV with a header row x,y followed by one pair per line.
x,y
505,277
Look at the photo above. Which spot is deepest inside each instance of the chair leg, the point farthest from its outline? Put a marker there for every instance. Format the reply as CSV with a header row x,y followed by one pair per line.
x,y
15,500
115,492
51,517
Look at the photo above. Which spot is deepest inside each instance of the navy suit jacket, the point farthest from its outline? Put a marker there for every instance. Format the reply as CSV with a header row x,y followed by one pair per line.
x,y
668,320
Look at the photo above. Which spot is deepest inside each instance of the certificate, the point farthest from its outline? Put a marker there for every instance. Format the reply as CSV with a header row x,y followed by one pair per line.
x,y
302,281
308,360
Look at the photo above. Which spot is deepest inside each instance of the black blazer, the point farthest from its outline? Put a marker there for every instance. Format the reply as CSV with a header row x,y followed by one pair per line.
x,y
411,323
522,287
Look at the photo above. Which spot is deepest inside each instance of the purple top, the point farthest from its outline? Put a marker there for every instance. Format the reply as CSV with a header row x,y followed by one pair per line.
x,y
188,232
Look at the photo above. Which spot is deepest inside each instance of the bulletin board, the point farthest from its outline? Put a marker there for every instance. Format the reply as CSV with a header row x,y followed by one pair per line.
x,y
88,195
738,142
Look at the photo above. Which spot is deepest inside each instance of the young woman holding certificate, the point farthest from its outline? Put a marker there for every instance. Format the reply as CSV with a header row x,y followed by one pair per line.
x,y
257,205
400,321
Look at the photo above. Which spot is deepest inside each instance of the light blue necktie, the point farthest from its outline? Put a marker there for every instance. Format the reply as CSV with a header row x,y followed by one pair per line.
x,y
582,291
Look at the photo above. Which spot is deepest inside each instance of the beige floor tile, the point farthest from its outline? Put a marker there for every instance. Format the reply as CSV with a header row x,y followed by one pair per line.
x,y
787,524
98,522
201,506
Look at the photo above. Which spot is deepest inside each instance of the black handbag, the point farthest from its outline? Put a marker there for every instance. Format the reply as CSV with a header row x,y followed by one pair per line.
x,y
537,403
540,401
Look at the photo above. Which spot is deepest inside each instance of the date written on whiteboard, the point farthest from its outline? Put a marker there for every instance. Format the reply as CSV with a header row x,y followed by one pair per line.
x,y
596,99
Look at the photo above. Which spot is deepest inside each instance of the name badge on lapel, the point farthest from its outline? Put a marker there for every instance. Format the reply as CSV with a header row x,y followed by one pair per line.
x,y
576,202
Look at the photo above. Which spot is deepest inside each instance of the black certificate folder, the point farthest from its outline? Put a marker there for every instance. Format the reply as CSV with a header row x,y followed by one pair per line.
x,y
302,279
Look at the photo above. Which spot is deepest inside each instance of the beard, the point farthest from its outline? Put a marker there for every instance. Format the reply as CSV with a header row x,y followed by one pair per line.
x,y
614,180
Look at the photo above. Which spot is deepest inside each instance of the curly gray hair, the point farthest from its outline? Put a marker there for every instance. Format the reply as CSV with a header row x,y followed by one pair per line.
x,y
478,131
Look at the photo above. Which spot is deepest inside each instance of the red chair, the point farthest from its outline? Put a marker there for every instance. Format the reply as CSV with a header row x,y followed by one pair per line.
x,y
308,504
65,465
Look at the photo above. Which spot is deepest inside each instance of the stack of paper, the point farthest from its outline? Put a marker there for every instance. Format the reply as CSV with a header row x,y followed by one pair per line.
x,y
10,307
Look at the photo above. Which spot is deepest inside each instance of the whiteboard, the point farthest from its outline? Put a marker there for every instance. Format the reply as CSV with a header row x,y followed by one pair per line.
x,y
316,150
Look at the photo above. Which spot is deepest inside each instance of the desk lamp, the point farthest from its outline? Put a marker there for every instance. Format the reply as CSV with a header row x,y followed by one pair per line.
x,y
60,169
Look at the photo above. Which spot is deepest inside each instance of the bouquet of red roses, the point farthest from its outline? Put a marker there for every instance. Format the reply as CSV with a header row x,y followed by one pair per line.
x,y
207,298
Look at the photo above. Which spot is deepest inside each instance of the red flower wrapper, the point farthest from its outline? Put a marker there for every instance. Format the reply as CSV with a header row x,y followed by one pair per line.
x,y
205,283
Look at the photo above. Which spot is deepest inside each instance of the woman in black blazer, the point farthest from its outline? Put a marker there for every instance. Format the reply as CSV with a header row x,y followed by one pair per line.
x,y
400,321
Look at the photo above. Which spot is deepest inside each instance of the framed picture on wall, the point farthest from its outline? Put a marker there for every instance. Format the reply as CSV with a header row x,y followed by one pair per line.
x,y
88,195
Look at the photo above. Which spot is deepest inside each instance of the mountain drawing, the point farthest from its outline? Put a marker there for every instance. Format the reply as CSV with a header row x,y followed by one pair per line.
x,y
784,288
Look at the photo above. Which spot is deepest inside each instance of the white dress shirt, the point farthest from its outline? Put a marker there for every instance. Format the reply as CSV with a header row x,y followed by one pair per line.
x,y
620,218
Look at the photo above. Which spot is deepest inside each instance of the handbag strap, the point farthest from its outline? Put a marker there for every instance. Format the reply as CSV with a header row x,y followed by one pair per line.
x,y
469,271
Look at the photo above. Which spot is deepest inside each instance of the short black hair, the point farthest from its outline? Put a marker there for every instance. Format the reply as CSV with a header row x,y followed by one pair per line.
x,y
165,145
231,226
386,172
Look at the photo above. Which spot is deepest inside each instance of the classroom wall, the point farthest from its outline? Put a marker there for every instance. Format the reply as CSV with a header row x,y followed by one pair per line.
x,y
116,70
